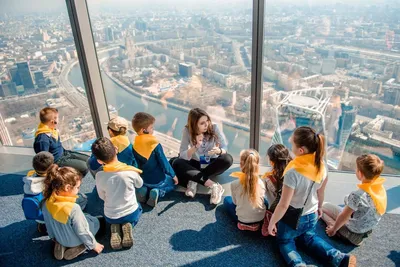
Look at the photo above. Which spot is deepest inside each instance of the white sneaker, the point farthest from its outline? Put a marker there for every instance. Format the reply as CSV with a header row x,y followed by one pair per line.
x,y
191,189
216,193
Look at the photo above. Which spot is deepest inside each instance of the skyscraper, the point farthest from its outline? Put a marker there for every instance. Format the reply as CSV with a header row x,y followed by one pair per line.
x,y
185,70
8,89
39,79
109,33
14,76
25,75
4,135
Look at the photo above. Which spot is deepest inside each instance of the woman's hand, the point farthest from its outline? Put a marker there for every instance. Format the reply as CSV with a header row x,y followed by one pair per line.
x,y
98,248
199,140
216,151
272,229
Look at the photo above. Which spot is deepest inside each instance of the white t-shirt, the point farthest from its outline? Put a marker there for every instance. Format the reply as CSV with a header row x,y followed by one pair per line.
x,y
301,186
244,208
117,189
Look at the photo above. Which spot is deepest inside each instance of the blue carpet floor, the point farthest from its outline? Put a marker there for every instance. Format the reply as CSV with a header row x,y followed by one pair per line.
x,y
179,232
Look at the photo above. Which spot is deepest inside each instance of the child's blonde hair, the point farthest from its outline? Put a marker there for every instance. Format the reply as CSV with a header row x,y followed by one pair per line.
x,y
58,177
249,160
371,166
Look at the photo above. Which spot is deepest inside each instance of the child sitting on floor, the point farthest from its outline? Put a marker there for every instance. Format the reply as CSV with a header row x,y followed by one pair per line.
x,y
158,175
364,207
117,129
72,230
246,205
33,189
116,185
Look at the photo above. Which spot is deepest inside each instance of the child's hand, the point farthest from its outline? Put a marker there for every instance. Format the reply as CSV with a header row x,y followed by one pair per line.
x,y
320,213
272,229
176,181
330,231
98,248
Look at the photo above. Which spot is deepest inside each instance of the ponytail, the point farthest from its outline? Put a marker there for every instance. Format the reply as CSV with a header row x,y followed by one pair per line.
x,y
279,155
249,164
315,143
320,151
58,177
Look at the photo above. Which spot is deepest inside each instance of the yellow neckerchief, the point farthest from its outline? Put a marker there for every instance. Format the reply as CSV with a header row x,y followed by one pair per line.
x,y
240,175
145,144
121,142
119,167
305,165
42,128
60,207
31,173
377,192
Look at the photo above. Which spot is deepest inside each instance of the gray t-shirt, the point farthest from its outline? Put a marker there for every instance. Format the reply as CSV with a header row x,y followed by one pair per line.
x,y
365,216
301,186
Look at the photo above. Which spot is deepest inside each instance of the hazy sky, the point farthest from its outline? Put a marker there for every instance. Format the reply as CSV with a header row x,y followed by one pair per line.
x,y
25,6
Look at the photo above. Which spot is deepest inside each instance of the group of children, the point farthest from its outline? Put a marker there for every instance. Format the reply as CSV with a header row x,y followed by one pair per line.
x,y
287,201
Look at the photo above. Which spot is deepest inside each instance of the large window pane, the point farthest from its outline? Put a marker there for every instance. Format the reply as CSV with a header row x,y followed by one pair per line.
x,y
335,67
37,53
168,57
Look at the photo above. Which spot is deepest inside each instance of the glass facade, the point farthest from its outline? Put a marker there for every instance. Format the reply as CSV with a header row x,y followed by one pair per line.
x,y
37,53
332,66
175,57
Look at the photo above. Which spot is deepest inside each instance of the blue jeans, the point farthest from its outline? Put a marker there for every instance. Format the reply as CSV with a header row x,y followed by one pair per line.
x,y
164,187
132,218
306,236
231,207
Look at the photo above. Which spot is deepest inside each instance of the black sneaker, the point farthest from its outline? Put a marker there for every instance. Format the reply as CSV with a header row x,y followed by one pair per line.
x,y
41,228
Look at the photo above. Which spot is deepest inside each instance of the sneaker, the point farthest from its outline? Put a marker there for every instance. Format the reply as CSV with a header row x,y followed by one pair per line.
x,y
58,250
348,261
141,194
153,197
74,252
102,229
216,193
127,235
191,189
248,227
41,228
116,240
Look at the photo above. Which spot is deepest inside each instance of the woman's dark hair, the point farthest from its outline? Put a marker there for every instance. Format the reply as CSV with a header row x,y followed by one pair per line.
x,y
193,118
279,155
315,143
58,177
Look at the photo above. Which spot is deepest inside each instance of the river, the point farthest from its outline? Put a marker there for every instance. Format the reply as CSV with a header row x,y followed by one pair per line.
x,y
128,104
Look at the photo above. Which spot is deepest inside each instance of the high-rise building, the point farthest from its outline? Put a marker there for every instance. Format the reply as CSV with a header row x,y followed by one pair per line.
x,y
25,75
141,25
391,94
109,33
14,76
328,66
185,70
4,135
39,79
8,89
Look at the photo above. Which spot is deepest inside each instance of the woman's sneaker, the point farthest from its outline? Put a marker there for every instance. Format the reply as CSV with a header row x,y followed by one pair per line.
x,y
216,193
74,252
116,240
141,194
153,197
191,189
349,260
127,235
58,250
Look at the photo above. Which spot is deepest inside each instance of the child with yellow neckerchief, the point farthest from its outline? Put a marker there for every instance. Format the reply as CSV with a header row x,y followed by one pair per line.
x,y
246,205
364,207
116,185
72,231
300,205
158,176
47,138
117,128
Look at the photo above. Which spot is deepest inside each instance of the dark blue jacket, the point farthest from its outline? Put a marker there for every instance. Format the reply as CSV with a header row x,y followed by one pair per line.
x,y
44,142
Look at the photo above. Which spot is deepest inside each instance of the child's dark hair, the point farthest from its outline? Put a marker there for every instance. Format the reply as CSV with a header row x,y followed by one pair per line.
x,y
371,166
103,149
58,177
307,137
279,155
42,161
142,120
